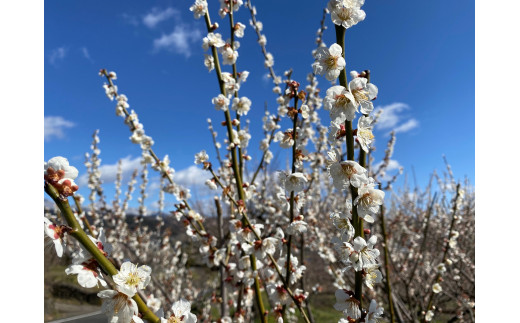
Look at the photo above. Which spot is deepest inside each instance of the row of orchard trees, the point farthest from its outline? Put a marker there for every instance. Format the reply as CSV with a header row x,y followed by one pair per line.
x,y
404,260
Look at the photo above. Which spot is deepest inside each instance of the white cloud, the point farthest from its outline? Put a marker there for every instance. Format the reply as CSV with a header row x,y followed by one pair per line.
x,y
130,19
109,171
156,16
408,125
57,54
390,171
178,41
54,127
192,176
391,116
154,183
85,53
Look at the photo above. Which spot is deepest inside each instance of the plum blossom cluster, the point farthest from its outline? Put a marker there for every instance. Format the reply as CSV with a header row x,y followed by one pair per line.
x,y
61,175
261,230
363,199
90,261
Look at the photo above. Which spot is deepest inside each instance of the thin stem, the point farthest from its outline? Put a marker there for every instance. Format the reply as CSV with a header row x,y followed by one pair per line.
x,y
83,217
291,205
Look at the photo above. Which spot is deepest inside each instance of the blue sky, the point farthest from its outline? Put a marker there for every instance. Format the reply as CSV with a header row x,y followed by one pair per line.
x,y
421,54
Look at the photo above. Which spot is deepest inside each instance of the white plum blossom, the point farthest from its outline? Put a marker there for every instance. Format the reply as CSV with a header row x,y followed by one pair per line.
x,y
242,77
345,173
278,294
241,106
153,303
118,304
342,222
347,303
296,227
110,91
229,56
132,277
366,252
234,140
246,237
286,138
360,253
221,102
209,62
213,39
293,182
121,105
346,13
258,25
437,288
374,312
329,62
225,4
61,175
56,234
305,111
201,157
266,246
211,184
262,40
341,104
268,157
373,275
429,316
369,200
269,61
85,266
199,8
137,136
264,144
88,274
364,132
243,137
230,83
239,29
364,93
181,310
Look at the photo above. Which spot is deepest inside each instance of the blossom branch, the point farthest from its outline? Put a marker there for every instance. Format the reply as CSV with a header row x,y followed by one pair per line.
x,y
156,159
349,138
248,224
84,240
446,249
235,164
